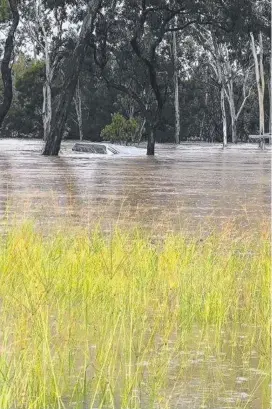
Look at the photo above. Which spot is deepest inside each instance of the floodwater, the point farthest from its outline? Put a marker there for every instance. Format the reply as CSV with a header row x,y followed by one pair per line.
x,y
180,188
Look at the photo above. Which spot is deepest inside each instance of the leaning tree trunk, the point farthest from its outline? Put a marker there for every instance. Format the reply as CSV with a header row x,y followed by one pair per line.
x,y
5,65
78,106
63,101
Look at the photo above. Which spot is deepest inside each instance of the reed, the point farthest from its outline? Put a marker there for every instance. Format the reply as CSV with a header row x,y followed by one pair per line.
x,y
90,320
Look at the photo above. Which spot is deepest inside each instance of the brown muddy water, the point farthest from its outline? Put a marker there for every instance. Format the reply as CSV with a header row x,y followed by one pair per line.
x,y
180,188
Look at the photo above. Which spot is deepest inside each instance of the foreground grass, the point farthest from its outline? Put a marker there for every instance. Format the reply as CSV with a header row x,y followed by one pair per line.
x,y
92,321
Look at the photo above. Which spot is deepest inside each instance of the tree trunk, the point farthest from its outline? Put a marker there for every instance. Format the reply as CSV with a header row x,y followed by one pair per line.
x,y
176,87
150,140
78,105
259,72
47,114
231,100
233,119
233,130
140,131
5,65
63,101
270,106
269,92
262,85
47,110
221,81
224,117
62,104
47,94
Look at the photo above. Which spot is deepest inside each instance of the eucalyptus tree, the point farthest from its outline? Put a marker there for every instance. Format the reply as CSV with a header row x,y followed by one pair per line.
x,y
141,28
176,87
12,14
44,32
238,86
232,69
62,101
263,11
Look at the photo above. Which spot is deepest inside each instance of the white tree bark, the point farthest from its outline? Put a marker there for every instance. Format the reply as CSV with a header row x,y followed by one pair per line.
x,y
217,67
63,102
176,88
259,73
234,113
141,130
47,88
78,105
225,73
204,113
47,109
224,117
42,37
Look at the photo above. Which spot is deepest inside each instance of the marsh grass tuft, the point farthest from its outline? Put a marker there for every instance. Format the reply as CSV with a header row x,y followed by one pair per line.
x,y
128,321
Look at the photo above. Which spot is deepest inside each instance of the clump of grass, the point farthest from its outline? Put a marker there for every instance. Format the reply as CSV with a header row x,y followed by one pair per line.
x,y
126,321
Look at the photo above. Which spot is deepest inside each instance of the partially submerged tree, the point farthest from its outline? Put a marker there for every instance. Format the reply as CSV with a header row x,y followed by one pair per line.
x,y
6,64
262,10
44,28
63,100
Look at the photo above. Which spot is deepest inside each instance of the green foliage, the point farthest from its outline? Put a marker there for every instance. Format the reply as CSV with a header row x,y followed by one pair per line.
x,y
29,76
4,11
24,117
120,130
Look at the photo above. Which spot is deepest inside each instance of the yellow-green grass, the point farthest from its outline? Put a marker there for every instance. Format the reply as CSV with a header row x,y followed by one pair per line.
x,y
128,321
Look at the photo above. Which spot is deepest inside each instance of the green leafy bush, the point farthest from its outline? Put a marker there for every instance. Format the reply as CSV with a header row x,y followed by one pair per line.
x,y
121,130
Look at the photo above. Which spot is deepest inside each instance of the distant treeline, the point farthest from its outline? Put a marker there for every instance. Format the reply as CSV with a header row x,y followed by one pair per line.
x,y
140,70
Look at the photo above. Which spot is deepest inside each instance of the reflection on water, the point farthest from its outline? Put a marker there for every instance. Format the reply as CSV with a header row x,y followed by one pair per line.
x,y
181,186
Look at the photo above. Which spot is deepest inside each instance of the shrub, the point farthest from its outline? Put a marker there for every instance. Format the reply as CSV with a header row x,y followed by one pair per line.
x,y
121,130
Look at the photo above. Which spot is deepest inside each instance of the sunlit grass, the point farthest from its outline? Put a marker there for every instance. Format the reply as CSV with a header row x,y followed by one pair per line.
x,y
128,321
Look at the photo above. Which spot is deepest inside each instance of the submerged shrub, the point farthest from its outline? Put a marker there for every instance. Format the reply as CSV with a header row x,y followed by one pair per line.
x,y
121,130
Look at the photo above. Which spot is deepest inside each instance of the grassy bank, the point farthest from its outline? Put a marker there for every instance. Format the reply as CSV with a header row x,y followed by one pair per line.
x,y
127,321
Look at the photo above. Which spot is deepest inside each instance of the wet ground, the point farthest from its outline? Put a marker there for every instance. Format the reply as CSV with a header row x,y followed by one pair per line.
x,y
180,188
